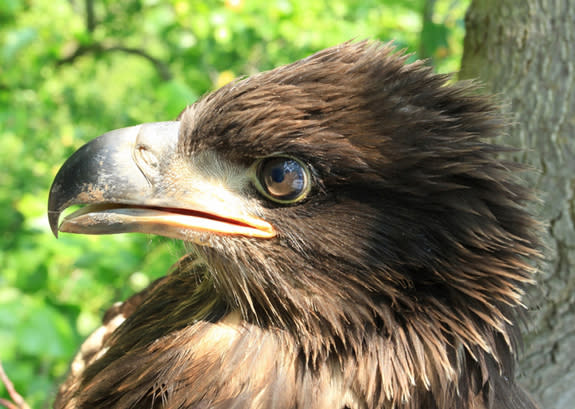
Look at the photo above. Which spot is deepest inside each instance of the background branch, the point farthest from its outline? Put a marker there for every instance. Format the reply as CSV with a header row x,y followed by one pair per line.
x,y
19,402
162,68
90,16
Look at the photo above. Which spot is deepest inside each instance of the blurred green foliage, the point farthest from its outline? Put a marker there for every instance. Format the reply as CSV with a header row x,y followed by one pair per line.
x,y
71,70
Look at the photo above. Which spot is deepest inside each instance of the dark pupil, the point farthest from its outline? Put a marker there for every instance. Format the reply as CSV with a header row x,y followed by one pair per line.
x,y
283,178
278,175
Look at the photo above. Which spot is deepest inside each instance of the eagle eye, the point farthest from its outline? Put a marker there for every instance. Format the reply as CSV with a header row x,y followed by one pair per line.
x,y
282,179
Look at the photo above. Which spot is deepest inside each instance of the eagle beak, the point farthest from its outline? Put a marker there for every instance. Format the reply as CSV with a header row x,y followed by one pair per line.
x,y
128,181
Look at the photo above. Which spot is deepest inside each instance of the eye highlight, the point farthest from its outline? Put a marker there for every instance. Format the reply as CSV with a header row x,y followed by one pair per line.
x,y
282,179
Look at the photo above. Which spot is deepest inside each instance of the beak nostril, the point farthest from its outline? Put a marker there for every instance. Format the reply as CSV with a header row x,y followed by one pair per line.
x,y
144,154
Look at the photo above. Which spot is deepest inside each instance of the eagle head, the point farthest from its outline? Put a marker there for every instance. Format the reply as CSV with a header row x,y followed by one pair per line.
x,y
344,214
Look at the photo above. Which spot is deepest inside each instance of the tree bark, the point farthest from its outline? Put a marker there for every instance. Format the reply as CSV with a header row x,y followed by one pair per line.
x,y
524,51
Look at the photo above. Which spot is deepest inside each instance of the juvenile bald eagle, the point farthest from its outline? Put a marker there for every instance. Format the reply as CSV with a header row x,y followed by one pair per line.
x,y
353,243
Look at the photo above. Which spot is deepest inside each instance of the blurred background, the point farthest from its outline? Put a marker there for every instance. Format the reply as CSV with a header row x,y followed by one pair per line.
x,y
72,70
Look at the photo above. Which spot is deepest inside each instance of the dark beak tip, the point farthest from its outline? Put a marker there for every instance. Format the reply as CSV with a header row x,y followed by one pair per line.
x,y
53,219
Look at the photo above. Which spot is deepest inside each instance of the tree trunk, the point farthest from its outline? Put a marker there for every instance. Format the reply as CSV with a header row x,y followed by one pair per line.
x,y
524,51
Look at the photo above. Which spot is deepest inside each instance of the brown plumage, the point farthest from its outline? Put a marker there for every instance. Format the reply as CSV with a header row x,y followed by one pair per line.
x,y
389,276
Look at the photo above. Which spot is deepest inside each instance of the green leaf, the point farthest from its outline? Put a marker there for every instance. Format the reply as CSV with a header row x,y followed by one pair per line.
x,y
16,41
43,332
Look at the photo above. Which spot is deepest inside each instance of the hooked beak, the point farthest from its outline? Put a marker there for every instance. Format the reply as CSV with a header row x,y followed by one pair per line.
x,y
128,181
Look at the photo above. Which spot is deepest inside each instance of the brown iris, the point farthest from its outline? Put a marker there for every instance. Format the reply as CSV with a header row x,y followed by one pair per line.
x,y
283,179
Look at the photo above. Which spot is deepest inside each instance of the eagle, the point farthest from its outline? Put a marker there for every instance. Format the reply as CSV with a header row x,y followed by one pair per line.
x,y
353,241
